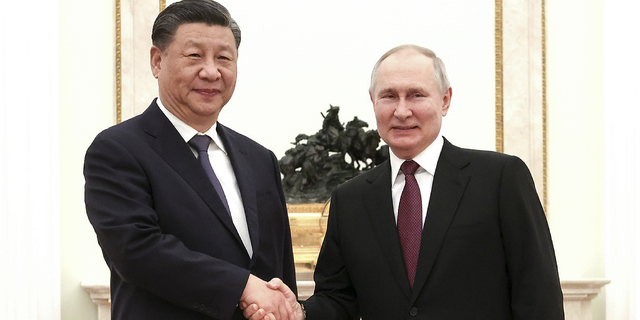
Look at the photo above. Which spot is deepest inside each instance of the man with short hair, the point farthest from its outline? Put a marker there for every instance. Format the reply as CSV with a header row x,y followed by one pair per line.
x,y
190,215
437,231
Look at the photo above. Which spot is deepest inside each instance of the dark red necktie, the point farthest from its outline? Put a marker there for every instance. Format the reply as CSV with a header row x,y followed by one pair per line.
x,y
410,219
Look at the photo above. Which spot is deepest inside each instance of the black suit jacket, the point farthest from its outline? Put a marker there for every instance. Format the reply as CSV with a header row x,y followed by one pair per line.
x,y
486,250
172,248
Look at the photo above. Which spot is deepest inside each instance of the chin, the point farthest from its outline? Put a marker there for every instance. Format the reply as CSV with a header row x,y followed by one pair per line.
x,y
207,108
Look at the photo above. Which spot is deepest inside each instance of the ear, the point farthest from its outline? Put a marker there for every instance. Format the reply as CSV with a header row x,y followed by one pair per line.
x,y
156,61
446,101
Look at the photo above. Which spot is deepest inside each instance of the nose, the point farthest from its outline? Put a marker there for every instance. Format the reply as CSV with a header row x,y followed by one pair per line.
x,y
209,71
402,110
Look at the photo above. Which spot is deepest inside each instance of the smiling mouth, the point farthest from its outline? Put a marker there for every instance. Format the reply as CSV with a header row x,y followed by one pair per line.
x,y
207,91
405,127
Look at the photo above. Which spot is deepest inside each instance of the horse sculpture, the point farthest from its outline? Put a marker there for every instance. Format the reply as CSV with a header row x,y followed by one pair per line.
x,y
318,163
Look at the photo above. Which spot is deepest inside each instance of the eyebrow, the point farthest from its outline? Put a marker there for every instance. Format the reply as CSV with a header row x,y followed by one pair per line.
x,y
191,42
387,90
411,89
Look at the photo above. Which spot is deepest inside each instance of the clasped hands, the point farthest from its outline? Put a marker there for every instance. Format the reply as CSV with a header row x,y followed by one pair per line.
x,y
271,300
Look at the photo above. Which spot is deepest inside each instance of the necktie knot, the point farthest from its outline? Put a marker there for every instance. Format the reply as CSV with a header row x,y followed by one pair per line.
x,y
200,143
409,167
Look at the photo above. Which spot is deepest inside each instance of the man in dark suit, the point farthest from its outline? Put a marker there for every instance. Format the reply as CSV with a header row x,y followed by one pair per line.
x,y
472,244
190,215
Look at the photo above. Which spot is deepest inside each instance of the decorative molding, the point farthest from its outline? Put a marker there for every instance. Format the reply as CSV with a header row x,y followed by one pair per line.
x,y
543,21
585,289
499,77
307,207
101,296
308,224
577,295
118,62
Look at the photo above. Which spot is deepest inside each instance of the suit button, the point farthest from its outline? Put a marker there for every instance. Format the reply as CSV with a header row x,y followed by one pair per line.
x,y
413,312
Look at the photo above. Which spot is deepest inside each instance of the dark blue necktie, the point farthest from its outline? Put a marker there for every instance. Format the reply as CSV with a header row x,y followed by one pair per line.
x,y
410,219
201,144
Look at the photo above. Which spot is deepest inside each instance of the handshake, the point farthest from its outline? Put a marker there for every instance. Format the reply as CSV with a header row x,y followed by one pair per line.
x,y
271,300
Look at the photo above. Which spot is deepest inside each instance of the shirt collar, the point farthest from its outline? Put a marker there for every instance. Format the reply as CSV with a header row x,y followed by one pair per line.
x,y
427,159
187,132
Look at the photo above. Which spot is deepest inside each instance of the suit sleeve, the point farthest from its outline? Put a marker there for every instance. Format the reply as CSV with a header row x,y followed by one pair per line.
x,y
288,263
531,262
334,296
120,206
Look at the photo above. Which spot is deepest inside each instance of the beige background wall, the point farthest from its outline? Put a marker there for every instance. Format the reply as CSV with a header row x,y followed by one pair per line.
x,y
87,55
575,139
293,68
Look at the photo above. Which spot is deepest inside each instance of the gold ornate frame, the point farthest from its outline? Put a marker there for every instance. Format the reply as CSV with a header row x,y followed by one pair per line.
x,y
118,62
544,106
499,92
499,78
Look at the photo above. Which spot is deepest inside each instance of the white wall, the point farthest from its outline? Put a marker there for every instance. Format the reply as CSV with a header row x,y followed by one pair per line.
x,y
575,138
622,157
86,63
29,213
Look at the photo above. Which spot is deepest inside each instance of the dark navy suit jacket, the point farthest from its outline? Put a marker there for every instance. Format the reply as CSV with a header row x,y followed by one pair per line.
x,y
172,248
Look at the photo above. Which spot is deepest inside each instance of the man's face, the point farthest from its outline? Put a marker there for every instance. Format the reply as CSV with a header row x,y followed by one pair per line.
x,y
197,73
408,103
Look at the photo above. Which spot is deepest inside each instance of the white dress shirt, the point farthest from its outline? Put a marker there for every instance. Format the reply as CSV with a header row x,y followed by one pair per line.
x,y
428,160
224,172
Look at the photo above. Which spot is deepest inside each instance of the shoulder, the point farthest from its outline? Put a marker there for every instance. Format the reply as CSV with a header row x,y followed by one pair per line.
x,y
151,121
121,130
487,166
367,178
234,139
462,157
237,137
138,136
128,136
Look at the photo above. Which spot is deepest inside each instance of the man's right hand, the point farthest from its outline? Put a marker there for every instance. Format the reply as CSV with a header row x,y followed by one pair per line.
x,y
255,312
273,303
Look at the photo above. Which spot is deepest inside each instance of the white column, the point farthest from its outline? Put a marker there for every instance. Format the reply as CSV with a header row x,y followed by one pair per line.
x,y
138,87
622,156
29,181
522,96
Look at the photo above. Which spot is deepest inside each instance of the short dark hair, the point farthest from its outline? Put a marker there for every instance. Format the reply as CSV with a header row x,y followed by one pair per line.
x,y
191,11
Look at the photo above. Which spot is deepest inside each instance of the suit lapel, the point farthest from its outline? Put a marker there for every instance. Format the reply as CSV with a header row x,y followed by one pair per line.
x,y
379,209
244,174
168,143
449,184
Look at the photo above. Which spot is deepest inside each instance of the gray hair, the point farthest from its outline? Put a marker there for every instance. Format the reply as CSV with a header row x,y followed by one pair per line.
x,y
191,11
438,66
